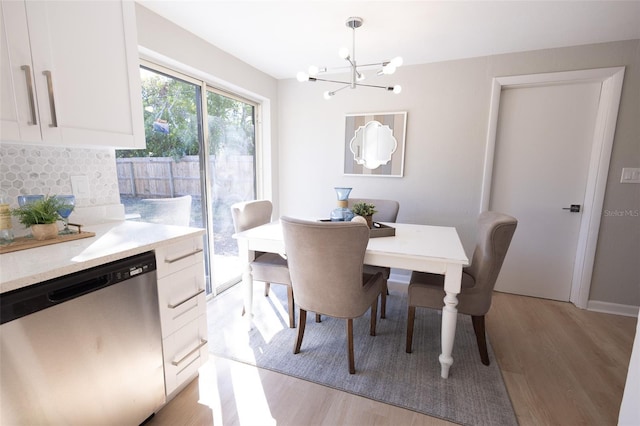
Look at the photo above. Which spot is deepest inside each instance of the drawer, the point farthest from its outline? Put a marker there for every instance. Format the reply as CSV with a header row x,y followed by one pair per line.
x,y
177,256
184,352
181,298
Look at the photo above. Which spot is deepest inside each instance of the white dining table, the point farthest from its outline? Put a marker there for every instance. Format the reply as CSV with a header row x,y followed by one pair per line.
x,y
425,248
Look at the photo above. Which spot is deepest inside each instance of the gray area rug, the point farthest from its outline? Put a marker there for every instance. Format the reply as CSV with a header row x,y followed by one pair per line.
x,y
473,394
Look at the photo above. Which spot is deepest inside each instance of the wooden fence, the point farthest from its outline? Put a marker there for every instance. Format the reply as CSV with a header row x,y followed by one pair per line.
x,y
164,177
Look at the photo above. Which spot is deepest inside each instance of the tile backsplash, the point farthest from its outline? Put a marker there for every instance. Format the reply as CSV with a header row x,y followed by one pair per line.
x,y
34,169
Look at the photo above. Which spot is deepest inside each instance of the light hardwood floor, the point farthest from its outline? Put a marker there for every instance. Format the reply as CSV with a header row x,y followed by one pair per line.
x,y
561,365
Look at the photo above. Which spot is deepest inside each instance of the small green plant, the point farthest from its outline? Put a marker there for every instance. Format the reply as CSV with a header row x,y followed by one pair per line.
x,y
39,212
363,209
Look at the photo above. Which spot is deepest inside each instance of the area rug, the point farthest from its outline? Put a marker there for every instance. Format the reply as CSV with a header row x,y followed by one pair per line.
x,y
474,394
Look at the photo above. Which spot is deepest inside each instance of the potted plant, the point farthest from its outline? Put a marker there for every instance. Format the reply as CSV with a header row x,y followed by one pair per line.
x,y
41,216
365,210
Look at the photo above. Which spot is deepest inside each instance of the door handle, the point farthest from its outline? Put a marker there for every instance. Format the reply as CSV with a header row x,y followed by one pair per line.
x,y
575,208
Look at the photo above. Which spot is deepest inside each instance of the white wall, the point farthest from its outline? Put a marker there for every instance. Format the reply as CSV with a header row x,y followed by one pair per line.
x,y
448,107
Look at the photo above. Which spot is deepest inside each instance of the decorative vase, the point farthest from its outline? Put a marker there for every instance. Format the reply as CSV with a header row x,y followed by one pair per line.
x,y
45,231
369,220
342,213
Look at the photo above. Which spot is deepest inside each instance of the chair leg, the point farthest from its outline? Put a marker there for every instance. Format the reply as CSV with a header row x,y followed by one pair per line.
x,y
383,301
292,312
374,317
411,316
352,363
302,321
318,318
267,286
481,337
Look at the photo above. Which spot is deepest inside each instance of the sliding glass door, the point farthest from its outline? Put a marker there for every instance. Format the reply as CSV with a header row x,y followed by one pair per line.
x,y
201,145
231,144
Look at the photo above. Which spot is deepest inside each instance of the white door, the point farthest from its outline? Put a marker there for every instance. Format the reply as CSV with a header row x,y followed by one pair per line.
x,y
543,145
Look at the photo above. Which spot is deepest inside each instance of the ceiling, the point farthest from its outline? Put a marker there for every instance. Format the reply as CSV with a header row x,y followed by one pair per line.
x,y
284,37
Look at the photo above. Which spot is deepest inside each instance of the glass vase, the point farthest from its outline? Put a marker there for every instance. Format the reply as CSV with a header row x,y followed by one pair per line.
x,y
342,213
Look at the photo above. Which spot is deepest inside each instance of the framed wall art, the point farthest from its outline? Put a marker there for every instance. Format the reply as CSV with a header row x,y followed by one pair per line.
x,y
374,144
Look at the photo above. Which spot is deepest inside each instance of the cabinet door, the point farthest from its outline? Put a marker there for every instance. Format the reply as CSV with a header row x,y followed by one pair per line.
x,y
90,49
85,71
19,117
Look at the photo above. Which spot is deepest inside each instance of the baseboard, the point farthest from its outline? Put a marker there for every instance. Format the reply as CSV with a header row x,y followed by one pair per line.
x,y
613,308
399,280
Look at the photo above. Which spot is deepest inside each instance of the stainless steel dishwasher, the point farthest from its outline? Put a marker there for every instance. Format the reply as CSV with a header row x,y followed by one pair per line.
x,y
84,349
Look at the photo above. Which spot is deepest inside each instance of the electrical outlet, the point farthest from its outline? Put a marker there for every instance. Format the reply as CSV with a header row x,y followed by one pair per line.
x,y
80,186
630,175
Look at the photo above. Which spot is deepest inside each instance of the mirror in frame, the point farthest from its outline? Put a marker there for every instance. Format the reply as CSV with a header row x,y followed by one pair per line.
x,y
375,144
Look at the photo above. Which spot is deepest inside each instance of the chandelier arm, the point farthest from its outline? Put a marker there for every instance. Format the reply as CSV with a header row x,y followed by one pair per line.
x,y
377,64
373,85
329,81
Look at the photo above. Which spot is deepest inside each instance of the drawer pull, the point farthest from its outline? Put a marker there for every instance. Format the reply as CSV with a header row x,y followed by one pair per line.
x,y
185,300
182,256
178,362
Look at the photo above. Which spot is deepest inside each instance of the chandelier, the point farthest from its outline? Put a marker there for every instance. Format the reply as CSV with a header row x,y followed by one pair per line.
x,y
385,67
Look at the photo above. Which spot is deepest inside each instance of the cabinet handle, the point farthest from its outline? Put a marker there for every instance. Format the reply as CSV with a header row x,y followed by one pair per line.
x,y
32,104
182,256
185,300
178,362
52,103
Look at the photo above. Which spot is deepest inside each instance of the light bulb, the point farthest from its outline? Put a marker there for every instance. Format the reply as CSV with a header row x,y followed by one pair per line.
x,y
359,76
302,76
313,70
397,61
343,52
397,89
328,95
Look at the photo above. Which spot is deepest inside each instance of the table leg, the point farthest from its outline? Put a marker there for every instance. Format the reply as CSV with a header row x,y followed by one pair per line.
x,y
452,282
246,256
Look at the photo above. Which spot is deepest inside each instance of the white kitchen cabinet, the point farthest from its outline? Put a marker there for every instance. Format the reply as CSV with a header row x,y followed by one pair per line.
x,y
182,302
70,73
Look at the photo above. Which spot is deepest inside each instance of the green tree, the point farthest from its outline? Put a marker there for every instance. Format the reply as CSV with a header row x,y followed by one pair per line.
x,y
231,126
171,124
170,118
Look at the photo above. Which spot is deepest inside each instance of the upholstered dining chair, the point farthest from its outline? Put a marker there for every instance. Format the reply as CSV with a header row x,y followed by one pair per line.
x,y
495,231
386,211
266,267
326,267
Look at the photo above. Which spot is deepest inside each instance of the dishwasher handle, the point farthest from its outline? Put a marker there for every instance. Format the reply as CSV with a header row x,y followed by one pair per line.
x,y
67,293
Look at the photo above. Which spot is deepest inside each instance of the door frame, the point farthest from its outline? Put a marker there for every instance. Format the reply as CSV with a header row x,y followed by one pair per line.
x,y
602,143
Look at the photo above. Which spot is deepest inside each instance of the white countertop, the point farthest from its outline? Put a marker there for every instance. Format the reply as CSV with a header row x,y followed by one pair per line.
x,y
113,241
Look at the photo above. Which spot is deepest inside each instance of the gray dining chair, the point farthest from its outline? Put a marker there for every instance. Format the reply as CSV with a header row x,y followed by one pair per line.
x,y
386,211
326,267
495,231
266,267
